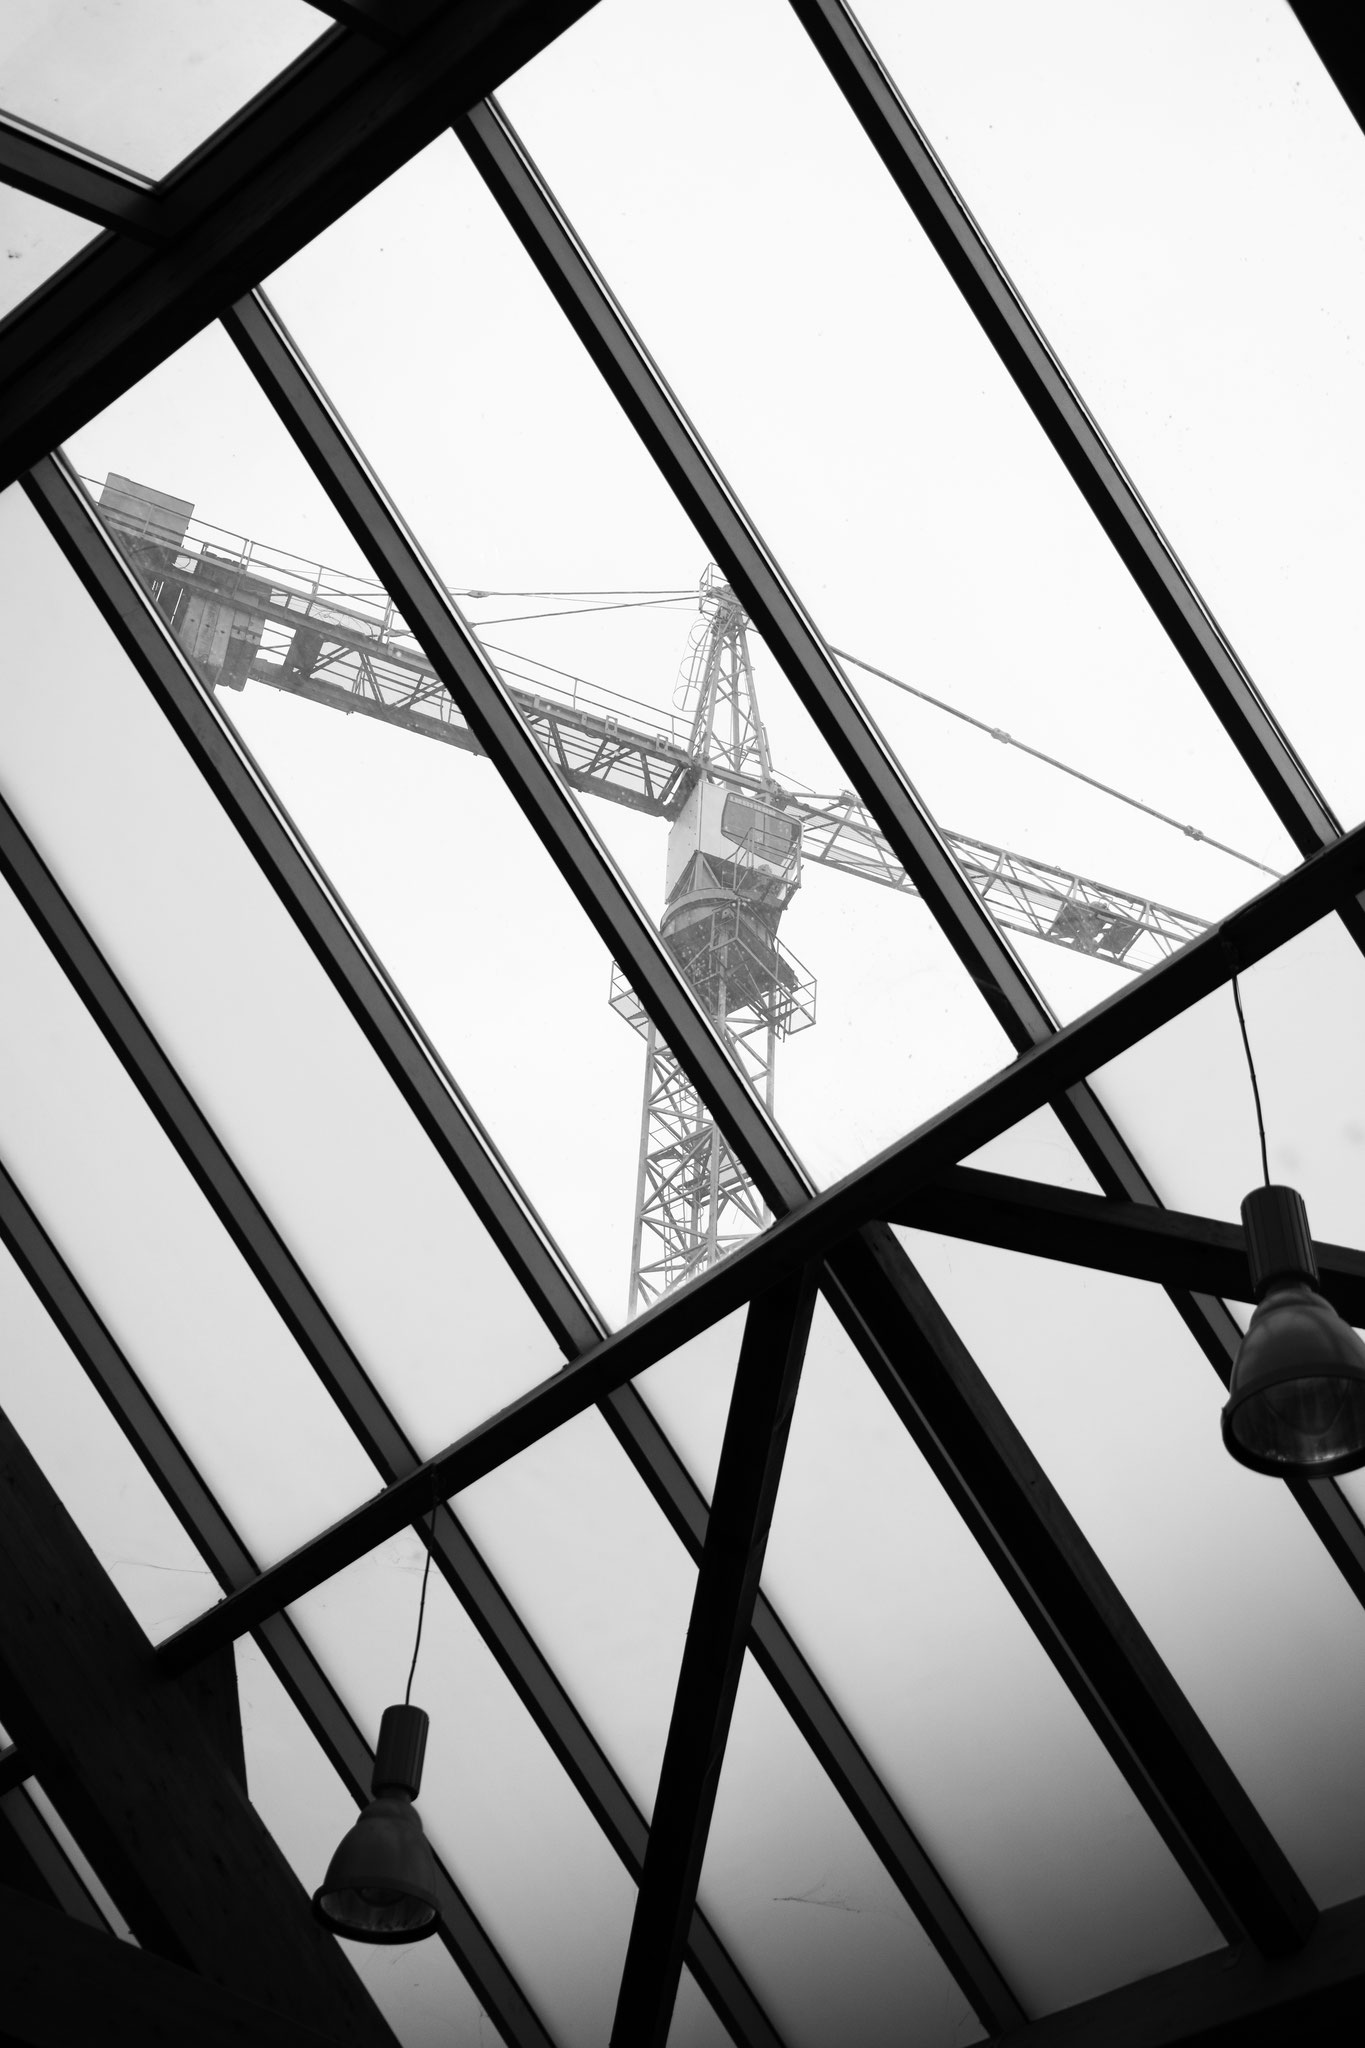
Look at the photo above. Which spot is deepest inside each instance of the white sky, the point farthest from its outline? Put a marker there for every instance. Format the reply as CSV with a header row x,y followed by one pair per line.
x,y
1178,192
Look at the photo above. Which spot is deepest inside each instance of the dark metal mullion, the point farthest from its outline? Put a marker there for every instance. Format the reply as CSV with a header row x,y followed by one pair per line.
x,y
434,1099
703,492
790,633
1209,1822
327,1351
459,660
218,1543
67,178
819,1721
21,1811
1078,1614
1062,414
756,1430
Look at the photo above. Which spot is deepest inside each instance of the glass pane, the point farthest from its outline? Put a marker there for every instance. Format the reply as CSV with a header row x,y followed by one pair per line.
x,y
1037,1148
690,1393
596,1573
695,2024
1226,1576
544,488
159,1268
93,1468
969,1724
825,1938
239,1002
1172,190
143,81
502,1814
35,239
1186,1094
900,480
419,1988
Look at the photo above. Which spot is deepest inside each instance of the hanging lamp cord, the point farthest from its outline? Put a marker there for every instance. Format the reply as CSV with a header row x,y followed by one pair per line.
x,y
422,1603
1255,1087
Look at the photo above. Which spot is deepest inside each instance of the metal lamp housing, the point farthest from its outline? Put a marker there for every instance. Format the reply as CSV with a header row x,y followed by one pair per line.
x,y
1296,1399
381,1883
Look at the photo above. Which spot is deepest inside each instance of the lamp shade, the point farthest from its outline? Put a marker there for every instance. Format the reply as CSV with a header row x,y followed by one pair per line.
x,y
381,1883
1296,1399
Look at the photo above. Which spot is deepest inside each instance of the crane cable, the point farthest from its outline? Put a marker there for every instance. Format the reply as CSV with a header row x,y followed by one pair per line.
x,y
1008,740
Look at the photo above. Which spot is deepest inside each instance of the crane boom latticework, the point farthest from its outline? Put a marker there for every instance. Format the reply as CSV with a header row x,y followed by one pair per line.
x,y
739,835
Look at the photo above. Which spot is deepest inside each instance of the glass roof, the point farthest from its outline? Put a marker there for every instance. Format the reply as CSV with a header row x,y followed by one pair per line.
x,y
144,82
918,1676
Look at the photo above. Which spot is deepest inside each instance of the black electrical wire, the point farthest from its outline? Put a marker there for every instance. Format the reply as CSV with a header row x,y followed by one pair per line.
x,y
632,604
1255,1086
422,1603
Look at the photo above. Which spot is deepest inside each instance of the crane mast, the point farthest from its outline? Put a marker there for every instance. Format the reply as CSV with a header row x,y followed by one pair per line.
x,y
738,835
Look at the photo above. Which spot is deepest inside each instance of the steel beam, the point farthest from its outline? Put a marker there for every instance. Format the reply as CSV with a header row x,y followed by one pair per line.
x,y
1095,468
175,1475
70,178
635,381
123,1757
761,1405
1074,1608
1216,1835
342,119
1328,29
884,1187
601,1364
1160,1245
341,1372
33,1854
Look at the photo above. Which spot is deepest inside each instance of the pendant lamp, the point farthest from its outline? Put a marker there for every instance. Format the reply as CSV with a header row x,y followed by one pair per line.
x,y
1296,1400
381,1884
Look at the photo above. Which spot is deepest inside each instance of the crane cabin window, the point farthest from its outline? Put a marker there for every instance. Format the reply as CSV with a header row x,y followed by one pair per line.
x,y
766,833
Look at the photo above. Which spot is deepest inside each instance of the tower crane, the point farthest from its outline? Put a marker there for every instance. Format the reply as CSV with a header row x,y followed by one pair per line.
x,y
739,835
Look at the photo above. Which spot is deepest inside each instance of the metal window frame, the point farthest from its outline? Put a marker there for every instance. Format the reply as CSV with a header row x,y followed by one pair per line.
x,y
147,309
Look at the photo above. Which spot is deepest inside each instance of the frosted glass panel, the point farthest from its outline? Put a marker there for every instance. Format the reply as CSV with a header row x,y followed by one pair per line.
x,y
1220,1567
227,983
813,1918
159,1268
92,1467
969,1724
1172,189
507,1823
37,239
419,1987
143,81
595,1571
869,428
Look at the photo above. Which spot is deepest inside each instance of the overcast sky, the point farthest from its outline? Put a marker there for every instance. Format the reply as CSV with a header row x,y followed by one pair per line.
x,y
1178,192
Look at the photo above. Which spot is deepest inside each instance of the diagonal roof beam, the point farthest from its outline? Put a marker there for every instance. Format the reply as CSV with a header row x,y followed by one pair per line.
x,y
78,182
671,439
1080,1229
882,1188
1328,29
1208,1820
344,118
218,1543
1060,411
434,1099
755,1442
341,1372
